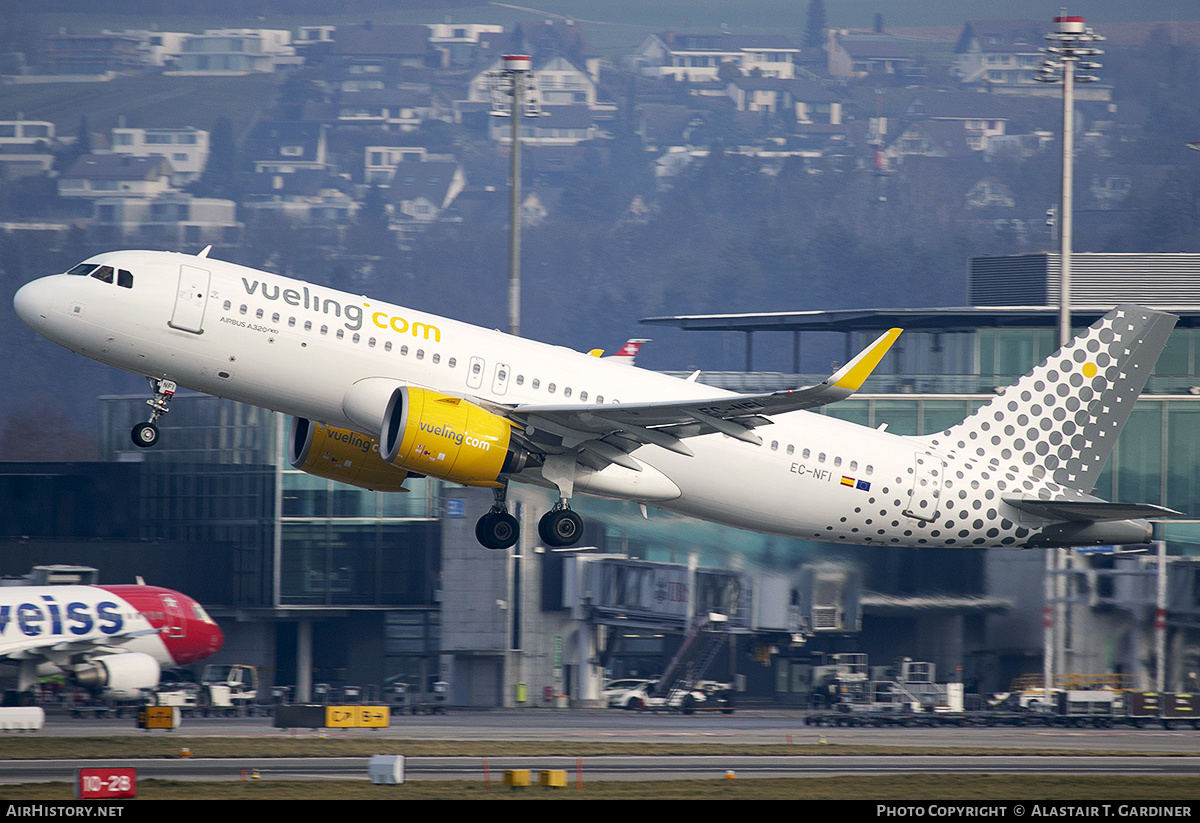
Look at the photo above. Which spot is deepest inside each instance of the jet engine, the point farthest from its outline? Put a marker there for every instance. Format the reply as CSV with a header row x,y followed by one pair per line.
x,y
342,455
449,438
122,676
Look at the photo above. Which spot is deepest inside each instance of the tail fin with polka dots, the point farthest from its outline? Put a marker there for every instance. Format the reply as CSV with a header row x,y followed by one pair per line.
x,y
1062,419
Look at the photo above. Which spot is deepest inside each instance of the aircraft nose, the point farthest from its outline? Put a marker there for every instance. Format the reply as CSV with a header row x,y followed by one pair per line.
x,y
33,300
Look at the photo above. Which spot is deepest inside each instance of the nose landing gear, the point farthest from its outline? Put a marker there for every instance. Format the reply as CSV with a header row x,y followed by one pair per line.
x,y
145,435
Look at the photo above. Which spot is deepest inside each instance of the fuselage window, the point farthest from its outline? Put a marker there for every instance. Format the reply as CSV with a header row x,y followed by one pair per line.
x,y
476,368
437,358
341,333
259,314
567,391
83,269
550,388
837,461
520,380
806,454
292,322
104,274
599,398
404,351
420,354
821,457
536,383
870,469
354,338
124,279
275,317
242,309
387,346
370,342
583,397
791,449
228,305
324,330
308,325
853,465
774,445
452,362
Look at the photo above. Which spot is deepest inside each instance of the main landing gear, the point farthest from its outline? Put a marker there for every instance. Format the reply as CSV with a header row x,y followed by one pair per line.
x,y
498,529
145,435
560,526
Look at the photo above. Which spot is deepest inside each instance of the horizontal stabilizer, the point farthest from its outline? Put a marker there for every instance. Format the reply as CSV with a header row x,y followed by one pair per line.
x,y
1094,511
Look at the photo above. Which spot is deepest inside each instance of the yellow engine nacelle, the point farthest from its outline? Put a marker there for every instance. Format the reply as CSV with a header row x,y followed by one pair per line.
x,y
342,455
449,438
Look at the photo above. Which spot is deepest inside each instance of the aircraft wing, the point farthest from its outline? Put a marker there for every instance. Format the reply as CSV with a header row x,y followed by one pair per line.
x,y
608,432
58,646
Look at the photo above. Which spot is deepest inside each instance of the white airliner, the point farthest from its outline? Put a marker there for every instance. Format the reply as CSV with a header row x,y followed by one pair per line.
x,y
112,640
378,391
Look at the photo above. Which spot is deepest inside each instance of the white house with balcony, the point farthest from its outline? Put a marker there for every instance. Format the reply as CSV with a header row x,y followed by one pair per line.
x,y
698,57
186,148
236,51
175,218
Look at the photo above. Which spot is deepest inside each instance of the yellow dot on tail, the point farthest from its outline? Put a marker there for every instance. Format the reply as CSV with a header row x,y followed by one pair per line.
x,y
1089,369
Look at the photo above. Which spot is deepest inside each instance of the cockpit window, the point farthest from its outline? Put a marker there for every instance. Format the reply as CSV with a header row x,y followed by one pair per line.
x,y
124,279
104,273
83,269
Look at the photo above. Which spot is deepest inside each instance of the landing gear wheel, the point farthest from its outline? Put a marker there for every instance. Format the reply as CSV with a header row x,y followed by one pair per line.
x,y
560,527
144,435
497,530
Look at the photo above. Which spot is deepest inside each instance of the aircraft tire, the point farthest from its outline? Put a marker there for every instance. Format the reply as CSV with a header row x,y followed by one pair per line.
x,y
497,530
559,528
144,435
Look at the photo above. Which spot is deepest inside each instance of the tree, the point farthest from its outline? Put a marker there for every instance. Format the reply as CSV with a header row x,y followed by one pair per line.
x,y
814,32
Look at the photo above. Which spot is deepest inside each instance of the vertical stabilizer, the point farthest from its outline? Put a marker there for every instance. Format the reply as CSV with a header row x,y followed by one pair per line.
x,y
1065,415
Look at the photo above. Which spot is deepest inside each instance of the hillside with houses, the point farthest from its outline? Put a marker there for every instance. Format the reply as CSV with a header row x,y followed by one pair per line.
x,y
694,171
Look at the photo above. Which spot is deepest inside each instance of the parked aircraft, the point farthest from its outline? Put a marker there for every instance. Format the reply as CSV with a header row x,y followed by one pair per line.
x,y
112,640
379,391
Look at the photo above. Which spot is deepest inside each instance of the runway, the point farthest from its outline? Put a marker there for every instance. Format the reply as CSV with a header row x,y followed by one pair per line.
x,y
1129,751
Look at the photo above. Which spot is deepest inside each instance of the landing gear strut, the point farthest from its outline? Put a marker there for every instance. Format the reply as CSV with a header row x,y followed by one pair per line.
x,y
145,435
560,526
498,529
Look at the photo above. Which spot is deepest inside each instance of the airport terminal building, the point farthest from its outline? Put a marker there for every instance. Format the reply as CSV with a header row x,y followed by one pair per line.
x,y
318,582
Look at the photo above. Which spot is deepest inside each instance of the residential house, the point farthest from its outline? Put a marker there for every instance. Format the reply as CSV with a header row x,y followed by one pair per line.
x,y
990,193
982,116
807,101
106,175
423,191
558,82
855,56
287,147
379,162
698,57
928,138
173,218
306,197
1000,52
556,126
236,51
25,148
458,43
92,54
186,148
399,110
